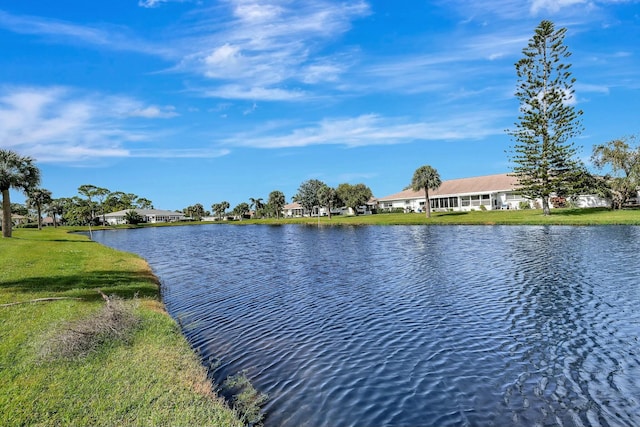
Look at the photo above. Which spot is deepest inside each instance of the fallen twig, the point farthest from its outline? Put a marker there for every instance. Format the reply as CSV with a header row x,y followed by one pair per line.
x,y
38,300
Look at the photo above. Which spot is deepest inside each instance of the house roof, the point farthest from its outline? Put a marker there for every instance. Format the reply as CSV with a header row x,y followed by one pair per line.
x,y
14,216
454,187
294,205
144,212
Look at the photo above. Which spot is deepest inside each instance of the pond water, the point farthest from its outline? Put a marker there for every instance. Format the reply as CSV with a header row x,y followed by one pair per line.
x,y
411,325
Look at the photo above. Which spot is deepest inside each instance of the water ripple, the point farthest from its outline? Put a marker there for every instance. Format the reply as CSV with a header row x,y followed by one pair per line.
x,y
411,326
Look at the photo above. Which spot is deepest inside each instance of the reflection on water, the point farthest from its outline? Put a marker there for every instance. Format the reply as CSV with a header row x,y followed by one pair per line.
x,y
411,326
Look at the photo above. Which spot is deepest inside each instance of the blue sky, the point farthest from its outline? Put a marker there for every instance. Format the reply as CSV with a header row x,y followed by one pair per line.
x,y
201,101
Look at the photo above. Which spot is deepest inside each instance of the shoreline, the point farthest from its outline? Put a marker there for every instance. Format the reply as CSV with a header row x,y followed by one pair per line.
x,y
565,216
150,377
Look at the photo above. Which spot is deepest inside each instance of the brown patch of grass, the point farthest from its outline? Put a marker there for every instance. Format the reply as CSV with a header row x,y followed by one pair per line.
x,y
115,321
154,305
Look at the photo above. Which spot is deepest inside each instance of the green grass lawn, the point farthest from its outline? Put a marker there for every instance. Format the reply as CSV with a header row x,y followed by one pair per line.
x,y
596,216
151,378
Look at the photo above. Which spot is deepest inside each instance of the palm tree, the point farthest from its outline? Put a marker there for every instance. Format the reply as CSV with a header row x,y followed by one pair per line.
x,y
426,178
223,208
133,217
37,198
276,202
257,204
17,172
55,207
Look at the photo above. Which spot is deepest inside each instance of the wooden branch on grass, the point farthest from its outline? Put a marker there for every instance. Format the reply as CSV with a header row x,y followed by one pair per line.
x,y
39,300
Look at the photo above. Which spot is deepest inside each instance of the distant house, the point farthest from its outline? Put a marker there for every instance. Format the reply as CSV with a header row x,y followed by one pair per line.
x,y
15,219
489,192
149,215
47,221
293,210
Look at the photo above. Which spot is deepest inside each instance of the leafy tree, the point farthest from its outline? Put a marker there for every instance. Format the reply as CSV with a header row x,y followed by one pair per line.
x,y
90,191
144,203
276,202
119,201
101,195
307,194
584,182
426,178
354,196
77,211
328,198
624,161
18,172
241,210
132,217
543,153
19,209
38,198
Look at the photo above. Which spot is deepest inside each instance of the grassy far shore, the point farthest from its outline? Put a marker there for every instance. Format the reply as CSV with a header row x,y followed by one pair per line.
x,y
147,376
583,216
595,216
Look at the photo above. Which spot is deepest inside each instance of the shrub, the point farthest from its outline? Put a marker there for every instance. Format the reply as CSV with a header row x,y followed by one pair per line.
x,y
524,205
28,225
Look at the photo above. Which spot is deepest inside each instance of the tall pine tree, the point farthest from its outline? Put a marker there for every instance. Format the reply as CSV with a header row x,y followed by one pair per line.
x,y
543,154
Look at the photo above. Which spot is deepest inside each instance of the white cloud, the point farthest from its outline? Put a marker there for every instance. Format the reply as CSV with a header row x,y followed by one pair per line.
x,y
156,3
584,87
110,37
372,129
321,72
181,153
155,112
58,124
253,93
257,12
552,6
268,47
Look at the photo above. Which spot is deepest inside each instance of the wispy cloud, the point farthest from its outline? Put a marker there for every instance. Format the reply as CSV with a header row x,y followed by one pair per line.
x,y
155,112
372,129
106,37
254,49
252,93
59,124
263,50
156,3
553,6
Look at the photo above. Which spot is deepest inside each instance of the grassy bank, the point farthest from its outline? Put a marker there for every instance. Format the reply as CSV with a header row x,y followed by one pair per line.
x,y
148,375
498,217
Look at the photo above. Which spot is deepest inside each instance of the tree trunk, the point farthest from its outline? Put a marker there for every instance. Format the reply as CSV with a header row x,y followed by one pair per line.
x,y
545,206
39,217
6,214
427,203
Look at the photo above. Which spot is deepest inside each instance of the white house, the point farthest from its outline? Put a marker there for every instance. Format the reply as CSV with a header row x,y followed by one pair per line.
x,y
465,194
149,215
293,210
